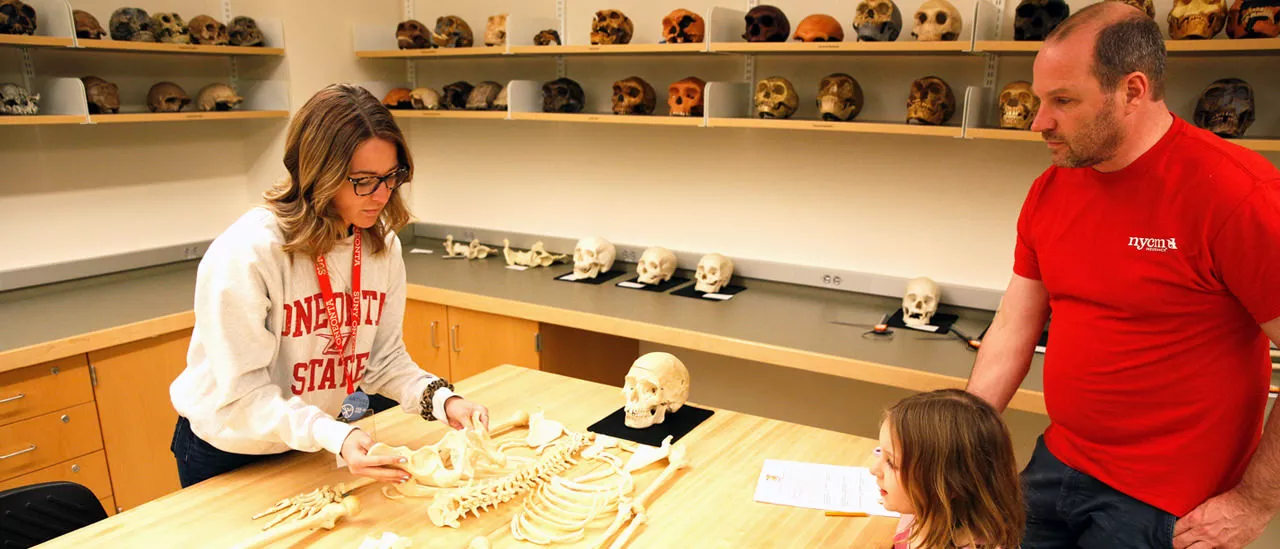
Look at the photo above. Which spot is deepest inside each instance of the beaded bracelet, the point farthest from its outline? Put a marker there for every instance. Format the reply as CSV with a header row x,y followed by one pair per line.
x,y
427,398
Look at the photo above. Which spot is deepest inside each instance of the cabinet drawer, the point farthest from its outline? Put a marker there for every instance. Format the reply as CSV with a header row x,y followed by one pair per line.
x,y
109,504
33,444
90,471
44,388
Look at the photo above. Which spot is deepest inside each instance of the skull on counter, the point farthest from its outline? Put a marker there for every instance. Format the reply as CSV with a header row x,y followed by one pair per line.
x,y
592,257
656,384
656,265
713,273
920,302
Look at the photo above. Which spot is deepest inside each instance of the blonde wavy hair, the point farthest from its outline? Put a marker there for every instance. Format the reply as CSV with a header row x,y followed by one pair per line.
x,y
956,465
323,136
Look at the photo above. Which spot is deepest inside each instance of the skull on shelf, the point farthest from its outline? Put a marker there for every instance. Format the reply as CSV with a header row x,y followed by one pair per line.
x,y
819,27
563,95
495,30
500,102
930,102
1033,20
103,96
937,21
131,24
1254,19
244,31
1197,19
15,99
209,31
920,302
87,26
687,97
633,96
877,21
656,384
1018,105
167,97
766,24
398,98
456,95
412,35
656,265
682,27
611,27
17,17
593,256
713,273
1146,6
169,28
839,97
452,32
425,98
217,97
1226,107
776,98
482,97
546,37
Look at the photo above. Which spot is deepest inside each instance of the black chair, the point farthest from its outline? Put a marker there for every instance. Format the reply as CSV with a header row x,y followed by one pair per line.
x,y
34,514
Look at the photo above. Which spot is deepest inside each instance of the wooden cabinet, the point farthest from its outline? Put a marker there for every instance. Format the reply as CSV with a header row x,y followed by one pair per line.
x,y
137,416
426,326
457,343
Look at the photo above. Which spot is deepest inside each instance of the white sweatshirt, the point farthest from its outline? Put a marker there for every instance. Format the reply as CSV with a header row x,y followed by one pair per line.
x,y
262,375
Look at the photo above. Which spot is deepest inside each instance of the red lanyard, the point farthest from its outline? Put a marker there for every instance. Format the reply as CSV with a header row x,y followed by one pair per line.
x,y
331,307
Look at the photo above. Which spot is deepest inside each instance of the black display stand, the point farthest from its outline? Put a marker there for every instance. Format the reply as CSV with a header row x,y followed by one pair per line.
x,y
1041,345
941,321
599,279
675,425
690,291
660,287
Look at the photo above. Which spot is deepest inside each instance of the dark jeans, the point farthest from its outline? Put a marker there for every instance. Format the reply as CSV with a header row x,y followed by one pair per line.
x,y
1067,508
198,460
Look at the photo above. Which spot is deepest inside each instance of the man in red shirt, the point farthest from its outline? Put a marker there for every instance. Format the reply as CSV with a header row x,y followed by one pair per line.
x,y
1157,247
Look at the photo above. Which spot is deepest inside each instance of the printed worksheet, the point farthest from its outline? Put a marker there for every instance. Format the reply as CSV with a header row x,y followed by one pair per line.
x,y
820,486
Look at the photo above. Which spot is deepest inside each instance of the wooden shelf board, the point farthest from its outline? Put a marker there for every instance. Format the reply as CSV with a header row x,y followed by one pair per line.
x,y
1253,45
23,40
184,116
605,118
463,115
195,49
478,51
1260,145
612,49
851,127
1007,46
1003,134
909,47
41,119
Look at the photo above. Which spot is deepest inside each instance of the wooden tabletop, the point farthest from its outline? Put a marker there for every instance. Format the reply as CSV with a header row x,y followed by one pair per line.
x,y
709,505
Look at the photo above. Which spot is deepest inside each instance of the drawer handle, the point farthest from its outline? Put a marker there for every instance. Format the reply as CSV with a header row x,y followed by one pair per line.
x,y
20,452
13,398
435,343
453,337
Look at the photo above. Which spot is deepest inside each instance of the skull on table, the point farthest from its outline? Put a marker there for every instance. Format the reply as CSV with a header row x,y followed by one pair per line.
x,y
656,384
593,256
656,265
713,273
877,21
920,302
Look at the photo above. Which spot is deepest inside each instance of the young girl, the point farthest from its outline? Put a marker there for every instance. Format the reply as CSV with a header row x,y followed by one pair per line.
x,y
301,301
946,463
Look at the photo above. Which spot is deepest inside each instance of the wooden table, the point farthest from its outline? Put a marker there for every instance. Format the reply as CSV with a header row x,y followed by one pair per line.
x,y
709,505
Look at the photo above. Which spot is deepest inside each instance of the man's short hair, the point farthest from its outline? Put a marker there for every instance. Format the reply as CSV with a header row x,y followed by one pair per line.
x,y
1125,44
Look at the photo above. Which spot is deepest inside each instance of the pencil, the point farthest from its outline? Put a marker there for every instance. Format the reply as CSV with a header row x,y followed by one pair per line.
x,y
846,514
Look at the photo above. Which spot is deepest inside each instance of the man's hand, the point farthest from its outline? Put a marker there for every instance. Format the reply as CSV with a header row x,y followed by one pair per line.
x,y
1226,521
458,412
355,451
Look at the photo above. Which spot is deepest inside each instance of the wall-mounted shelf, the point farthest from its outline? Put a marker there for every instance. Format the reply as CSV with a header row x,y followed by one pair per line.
x,y
481,51
849,127
451,114
596,118
42,120
192,49
1003,134
1260,145
36,41
618,49
184,116
1174,47
810,48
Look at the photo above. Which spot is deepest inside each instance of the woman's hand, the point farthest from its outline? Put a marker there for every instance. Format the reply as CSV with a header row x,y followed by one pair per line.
x,y
459,411
355,451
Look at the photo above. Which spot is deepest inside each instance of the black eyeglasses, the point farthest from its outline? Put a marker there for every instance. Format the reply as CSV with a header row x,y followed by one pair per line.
x,y
365,186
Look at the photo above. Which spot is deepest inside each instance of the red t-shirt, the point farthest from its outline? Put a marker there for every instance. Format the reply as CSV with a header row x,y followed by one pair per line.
x,y
1158,276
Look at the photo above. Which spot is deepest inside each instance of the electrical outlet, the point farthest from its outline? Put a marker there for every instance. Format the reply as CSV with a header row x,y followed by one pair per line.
x,y
191,252
628,256
831,280
468,236
826,279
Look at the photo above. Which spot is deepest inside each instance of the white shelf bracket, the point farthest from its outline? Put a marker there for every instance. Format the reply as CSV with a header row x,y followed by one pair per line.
x,y
28,69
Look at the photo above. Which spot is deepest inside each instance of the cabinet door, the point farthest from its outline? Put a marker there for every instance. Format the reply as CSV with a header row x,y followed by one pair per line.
x,y
426,327
137,417
480,341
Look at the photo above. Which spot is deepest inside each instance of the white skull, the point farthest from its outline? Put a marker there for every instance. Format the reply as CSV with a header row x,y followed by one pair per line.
x,y
656,384
713,273
15,99
937,20
920,302
425,98
656,265
592,256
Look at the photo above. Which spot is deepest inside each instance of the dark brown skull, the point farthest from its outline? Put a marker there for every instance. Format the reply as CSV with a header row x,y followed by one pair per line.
x,y
839,97
611,27
209,31
17,18
1254,19
1226,107
412,35
767,24
931,102
131,24
683,27
167,97
563,95
452,32
104,97
546,38
87,25
456,94
244,31
1034,19
634,96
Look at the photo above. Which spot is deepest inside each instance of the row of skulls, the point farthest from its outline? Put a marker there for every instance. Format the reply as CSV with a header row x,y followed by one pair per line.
x,y
136,25
460,95
873,21
594,255
628,96
104,97
929,102
1188,19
